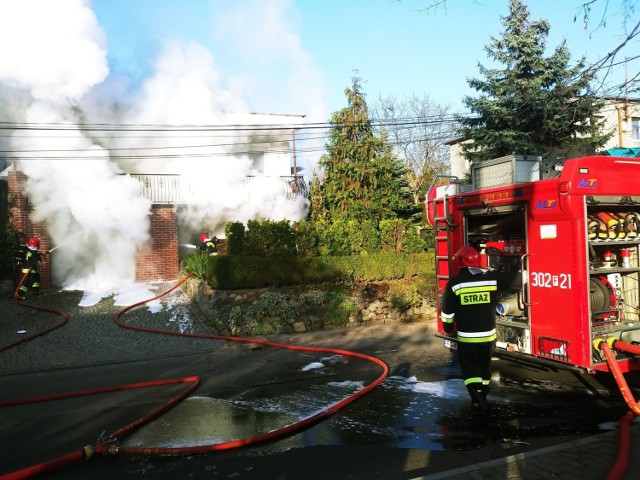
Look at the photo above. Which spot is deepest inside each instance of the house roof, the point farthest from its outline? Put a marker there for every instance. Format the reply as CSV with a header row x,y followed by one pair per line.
x,y
623,152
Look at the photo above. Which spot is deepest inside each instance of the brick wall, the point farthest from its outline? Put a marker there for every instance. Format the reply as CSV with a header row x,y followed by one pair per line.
x,y
160,261
20,211
157,262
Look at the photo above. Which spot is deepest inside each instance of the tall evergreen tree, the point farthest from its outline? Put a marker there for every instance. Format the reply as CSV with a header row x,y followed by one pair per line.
x,y
362,180
534,105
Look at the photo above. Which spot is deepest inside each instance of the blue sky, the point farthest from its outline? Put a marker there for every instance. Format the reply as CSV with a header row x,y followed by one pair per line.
x,y
298,56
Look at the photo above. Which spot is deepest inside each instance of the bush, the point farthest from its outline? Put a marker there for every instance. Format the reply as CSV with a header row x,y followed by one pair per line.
x,y
9,243
341,237
234,235
263,316
196,264
404,295
313,298
306,237
339,309
270,239
233,272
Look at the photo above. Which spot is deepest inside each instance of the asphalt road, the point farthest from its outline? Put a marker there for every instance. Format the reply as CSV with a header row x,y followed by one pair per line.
x,y
417,423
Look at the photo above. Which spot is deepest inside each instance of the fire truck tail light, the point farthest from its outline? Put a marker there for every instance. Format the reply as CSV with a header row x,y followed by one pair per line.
x,y
564,187
553,348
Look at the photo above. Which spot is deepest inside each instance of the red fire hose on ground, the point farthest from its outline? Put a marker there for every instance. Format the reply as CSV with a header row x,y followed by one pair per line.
x,y
110,445
64,315
622,459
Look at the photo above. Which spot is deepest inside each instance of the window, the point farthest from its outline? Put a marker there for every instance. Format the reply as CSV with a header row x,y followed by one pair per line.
x,y
635,128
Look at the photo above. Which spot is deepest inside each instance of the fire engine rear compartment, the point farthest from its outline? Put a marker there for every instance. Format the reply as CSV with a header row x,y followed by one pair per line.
x,y
573,259
613,268
500,235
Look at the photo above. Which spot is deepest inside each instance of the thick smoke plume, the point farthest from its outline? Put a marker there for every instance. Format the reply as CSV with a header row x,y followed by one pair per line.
x,y
56,73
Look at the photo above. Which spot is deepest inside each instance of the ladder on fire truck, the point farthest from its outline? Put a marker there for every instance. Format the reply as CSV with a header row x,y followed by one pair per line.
x,y
438,216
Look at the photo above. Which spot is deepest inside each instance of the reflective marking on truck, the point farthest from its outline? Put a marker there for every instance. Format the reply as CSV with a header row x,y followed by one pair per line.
x,y
588,183
548,280
546,204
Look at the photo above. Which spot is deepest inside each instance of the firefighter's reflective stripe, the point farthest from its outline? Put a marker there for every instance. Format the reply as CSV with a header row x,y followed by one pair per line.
x,y
477,337
447,317
480,285
473,293
468,381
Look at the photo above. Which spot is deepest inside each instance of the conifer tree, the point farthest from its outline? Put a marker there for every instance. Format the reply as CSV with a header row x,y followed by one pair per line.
x,y
362,179
535,104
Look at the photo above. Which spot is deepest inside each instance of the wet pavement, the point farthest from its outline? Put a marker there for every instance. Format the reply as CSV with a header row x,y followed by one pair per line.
x,y
417,424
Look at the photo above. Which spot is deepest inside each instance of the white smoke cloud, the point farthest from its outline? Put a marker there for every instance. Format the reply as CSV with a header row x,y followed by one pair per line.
x,y
58,64
186,89
263,36
56,50
57,55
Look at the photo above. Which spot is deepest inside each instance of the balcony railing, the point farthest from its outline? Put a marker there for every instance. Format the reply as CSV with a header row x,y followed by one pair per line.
x,y
175,189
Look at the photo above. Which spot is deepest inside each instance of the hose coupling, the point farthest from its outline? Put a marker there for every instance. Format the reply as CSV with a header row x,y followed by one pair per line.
x,y
87,452
597,342
611,341
107,446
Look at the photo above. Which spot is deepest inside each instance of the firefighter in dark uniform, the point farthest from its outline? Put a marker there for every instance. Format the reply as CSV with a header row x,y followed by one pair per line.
x,y
469,312
29,266
208,245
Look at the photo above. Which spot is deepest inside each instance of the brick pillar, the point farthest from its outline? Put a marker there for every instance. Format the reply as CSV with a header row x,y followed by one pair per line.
x,y
20,211
160,260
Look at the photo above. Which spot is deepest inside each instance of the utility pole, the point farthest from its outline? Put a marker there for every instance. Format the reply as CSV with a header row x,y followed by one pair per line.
x,y
294,187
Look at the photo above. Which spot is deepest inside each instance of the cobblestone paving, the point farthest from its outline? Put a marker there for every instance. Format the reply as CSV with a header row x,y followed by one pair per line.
x,y
91,336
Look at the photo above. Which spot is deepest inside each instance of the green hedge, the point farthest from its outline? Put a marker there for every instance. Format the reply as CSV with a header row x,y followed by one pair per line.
x,y
230,272
268,238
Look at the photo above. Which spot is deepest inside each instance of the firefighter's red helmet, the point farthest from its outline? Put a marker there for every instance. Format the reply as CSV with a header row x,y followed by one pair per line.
x,y
204,237
33,243
467,256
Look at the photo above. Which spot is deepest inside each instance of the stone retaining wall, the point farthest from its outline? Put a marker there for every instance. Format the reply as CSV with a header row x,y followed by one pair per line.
x,y
370,312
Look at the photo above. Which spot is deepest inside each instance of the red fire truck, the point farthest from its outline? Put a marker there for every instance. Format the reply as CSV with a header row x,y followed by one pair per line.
x,y
569,236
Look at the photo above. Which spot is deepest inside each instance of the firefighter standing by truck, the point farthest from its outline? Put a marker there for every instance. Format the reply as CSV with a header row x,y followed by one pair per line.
x,y
29,266
469,313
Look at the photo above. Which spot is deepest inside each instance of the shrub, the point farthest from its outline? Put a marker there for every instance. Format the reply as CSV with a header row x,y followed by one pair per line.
x,y
231,272
306,236
403,296
274,307
339,310
196,264
313,298
9,243
269,238
234,233
335,239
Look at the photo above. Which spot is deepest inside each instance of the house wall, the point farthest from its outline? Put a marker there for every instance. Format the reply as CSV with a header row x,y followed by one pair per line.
x,y
20,211
158,261
618,116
